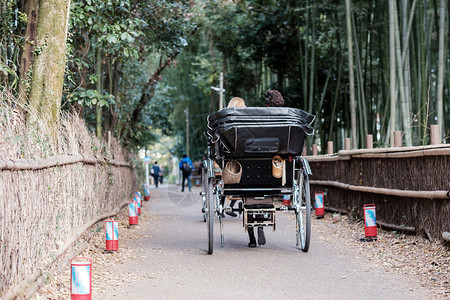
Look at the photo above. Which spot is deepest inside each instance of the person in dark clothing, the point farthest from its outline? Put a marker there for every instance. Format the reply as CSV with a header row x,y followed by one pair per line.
x,y
155,173
233,201
186,168
161,175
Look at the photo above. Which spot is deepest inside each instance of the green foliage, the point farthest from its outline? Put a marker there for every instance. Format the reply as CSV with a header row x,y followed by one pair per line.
x,y
257,44
89,97
133,37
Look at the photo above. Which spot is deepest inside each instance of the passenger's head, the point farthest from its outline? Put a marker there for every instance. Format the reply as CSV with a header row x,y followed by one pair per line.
x,y
273,98
184,155
236,102
156,162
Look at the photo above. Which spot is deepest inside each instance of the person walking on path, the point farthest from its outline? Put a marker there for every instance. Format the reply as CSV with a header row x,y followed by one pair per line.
x,y
155,173
161,175
186,167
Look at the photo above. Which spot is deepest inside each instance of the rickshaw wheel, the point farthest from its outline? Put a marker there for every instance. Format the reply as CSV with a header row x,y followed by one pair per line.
x,y
210,214
304,214
204,191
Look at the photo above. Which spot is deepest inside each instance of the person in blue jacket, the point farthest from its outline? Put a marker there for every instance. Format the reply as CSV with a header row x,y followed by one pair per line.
x,y
186,168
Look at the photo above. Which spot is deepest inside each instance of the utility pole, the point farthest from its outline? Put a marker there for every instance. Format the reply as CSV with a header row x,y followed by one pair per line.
x,y
220,90
186,112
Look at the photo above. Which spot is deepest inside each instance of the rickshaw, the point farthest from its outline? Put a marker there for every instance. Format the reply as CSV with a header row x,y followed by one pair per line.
x,y
258,151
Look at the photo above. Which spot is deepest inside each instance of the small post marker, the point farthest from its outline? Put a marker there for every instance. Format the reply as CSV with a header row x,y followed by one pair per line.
x,y
146,192
287,200
81,278
318,204
138,199
132,212
370,223
111,235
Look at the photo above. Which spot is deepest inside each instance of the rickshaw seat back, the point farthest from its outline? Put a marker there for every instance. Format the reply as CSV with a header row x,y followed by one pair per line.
x,y
252,132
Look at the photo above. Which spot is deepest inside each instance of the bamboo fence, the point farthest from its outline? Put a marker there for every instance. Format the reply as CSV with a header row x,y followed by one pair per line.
x,y
51,190
410,186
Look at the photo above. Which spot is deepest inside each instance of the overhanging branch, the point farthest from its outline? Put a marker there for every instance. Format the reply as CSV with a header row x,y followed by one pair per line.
x,y
149,88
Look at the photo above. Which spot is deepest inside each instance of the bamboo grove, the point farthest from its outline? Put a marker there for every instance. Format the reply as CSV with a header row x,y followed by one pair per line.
x,y
362,66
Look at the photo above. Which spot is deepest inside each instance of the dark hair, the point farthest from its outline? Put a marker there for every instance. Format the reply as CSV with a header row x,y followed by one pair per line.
x,y
156,162
184,155
273,98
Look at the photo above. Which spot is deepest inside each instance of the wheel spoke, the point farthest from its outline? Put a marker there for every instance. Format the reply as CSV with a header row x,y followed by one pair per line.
x,y
303,213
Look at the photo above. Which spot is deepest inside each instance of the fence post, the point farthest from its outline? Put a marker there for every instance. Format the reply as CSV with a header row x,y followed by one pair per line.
x,y
347,144
434,135
314,149
369,141
397,138
330,147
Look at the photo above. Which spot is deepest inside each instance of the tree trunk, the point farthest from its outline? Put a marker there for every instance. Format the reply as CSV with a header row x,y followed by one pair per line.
x,y
31,9
98,108
49,63
351,74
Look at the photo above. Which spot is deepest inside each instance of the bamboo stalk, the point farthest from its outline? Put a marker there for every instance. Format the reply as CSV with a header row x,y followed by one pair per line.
x,y
351,74
392,83
384,191
441,67
401,83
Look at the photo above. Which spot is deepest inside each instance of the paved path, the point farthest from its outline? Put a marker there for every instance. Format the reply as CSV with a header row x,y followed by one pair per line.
x,y
172,262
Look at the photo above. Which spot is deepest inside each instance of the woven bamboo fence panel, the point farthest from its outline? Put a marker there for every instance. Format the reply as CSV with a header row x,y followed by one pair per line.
x,y
409,186
46,196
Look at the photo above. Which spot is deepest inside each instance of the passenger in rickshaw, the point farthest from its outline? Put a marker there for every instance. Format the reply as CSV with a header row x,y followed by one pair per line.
x,y
273,98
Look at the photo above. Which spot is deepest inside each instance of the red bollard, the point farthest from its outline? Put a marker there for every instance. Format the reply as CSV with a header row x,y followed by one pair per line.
x,y
112,235
80,278
370,220
319,204
132,213
287,200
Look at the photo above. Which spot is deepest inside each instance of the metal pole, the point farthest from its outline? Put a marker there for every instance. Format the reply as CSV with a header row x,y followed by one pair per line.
x,y
186,111
146,174
221,90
